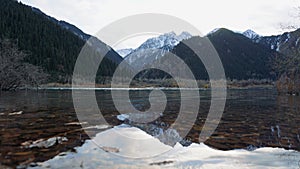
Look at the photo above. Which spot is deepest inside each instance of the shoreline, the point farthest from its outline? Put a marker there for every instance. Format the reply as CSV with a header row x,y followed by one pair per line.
x,y
107,87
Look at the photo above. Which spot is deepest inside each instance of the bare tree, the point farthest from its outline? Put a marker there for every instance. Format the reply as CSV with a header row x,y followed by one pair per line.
x,y
14,72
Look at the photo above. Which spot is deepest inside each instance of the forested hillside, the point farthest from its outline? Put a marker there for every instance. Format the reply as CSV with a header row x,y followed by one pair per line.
x,y
48,44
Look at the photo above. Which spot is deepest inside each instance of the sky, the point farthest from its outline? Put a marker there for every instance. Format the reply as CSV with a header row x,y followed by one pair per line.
x,y
262,16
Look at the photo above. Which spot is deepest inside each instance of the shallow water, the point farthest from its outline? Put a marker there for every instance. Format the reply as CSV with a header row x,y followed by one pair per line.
x,y
252,117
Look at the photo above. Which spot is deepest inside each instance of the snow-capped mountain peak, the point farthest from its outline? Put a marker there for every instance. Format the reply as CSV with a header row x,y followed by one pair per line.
x,y
154,48
124,52
184,35
251,34
167,40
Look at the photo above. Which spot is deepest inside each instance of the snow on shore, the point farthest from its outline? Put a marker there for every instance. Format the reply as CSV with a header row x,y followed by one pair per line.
x,y
130,147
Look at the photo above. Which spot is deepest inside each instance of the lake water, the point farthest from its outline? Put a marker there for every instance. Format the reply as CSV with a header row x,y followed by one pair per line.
x,y
252,118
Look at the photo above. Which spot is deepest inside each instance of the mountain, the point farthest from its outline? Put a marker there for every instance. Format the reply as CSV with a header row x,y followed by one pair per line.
x,y
241,57
52,45
154,48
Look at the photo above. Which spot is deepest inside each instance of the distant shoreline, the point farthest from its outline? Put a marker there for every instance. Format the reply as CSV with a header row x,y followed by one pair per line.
x,y
143,88
164,85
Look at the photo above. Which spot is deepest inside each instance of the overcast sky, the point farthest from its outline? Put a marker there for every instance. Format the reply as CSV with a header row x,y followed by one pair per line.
x,y
262,16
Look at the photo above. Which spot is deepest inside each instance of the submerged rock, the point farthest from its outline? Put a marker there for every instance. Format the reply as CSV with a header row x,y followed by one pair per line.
x,y
110,149
16,113
42,143
162,163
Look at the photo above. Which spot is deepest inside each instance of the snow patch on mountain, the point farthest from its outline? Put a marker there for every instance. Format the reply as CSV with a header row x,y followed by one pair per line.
x,y
278,46
251,34
297,41
288,38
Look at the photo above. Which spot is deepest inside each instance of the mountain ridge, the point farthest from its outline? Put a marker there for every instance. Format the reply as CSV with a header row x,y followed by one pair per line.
x,y
242,59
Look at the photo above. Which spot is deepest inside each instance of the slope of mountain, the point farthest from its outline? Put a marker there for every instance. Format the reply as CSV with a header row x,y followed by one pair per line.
x,y
154,48
53,45
72,28
64,24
